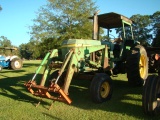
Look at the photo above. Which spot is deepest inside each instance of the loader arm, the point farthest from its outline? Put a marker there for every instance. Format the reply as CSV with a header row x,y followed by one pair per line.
x,y
71,69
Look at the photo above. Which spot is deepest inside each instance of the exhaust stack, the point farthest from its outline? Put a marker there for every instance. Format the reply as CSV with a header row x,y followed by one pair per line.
x,y
95,26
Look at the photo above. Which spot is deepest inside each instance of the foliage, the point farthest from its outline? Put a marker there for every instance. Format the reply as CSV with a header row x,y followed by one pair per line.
x,y
60,20
156,21
47,45
145,29
5,42
156,28
142,29
0,8
156,40
29,50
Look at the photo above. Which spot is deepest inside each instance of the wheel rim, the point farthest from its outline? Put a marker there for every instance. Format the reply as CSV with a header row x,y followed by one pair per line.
x,y
17,64
142,66
105,88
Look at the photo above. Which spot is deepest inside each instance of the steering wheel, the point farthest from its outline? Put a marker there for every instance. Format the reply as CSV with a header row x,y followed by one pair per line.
x,y
110,38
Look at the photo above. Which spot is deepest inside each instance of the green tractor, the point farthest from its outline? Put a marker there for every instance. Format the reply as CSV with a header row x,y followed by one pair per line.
x,y
94,60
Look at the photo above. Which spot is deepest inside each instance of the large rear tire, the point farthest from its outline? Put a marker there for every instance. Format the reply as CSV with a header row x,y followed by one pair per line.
x,y
151,95
137,66
101,88
16,64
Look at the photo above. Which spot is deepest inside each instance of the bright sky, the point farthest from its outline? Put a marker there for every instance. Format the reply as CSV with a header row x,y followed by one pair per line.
x,y
17,15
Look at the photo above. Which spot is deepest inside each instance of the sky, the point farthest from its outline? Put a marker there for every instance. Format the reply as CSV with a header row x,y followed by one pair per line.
x,y
17,15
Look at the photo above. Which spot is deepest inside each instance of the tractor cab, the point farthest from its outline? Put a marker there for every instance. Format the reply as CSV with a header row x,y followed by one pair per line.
x,y
111,22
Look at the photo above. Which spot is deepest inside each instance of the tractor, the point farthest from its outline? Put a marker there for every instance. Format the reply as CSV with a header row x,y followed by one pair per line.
x,y
10,61
93,59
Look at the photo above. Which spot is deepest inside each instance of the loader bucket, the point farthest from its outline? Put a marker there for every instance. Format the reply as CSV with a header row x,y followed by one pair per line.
x,y
45,92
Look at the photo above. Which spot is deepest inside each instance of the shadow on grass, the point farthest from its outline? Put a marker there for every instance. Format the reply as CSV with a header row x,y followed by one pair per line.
x,y
10,70
125,100
31,64
122,101
13,87
50,116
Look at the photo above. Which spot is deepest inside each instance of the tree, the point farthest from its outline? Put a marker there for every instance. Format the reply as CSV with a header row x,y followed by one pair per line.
x,y
142,29
29,50
47,45
63,19
5,42
156,28
0,8
156,40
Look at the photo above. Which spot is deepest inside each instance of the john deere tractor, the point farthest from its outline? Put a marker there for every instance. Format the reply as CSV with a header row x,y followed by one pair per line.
x,y
93,59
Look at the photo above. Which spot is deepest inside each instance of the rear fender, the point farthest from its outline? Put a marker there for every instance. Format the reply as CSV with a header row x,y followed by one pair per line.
x,y
12,57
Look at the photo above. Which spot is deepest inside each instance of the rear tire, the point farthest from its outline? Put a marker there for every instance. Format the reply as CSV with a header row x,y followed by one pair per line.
x,y
101,88
16,64
151,95
137,66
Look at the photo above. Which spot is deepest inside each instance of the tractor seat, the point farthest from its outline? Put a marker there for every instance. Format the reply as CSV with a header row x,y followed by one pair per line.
x,y
117,47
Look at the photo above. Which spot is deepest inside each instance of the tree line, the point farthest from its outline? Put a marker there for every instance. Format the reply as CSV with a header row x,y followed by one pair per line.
x,y
64,19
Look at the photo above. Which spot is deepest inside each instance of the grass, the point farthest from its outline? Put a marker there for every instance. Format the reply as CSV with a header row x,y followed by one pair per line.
x,y
18,104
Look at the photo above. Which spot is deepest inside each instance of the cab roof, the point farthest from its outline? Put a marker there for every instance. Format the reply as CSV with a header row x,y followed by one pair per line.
x,y
112,20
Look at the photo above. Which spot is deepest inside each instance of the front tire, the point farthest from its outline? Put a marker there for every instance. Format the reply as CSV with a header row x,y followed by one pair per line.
x,y
137,66
151,95
101,88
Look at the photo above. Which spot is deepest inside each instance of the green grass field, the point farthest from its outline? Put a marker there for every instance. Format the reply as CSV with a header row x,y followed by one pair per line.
x,y
18,104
